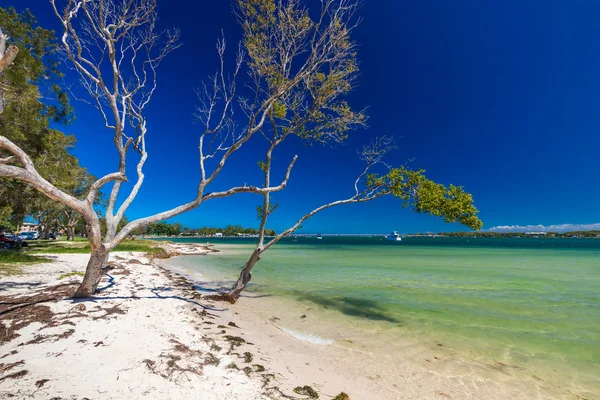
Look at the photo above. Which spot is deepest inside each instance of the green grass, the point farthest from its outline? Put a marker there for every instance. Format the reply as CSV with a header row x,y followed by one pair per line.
x,y
11,260
68,274
83,248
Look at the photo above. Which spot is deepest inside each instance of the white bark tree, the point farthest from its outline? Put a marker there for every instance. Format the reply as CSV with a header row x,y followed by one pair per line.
x,y
300,70
114,47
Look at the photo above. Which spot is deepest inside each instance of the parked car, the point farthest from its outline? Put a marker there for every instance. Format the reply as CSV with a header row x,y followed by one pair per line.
x,y
10,241
29,235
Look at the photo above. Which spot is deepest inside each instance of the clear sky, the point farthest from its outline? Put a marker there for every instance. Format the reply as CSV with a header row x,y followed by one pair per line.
x,y
501,97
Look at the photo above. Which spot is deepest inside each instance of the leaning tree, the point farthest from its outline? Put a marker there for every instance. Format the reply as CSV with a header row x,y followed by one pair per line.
x,y
300,70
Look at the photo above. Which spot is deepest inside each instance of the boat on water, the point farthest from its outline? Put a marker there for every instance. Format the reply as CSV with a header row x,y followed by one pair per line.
x,y
319,236
394,236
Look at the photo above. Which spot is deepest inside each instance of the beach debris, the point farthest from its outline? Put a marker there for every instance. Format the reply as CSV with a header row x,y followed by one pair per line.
x,y
232,324
233,366
303,316
41,382
9,366
22,317
259,368
15,375
122,271
342,396
234,342
108,312
79,308
12,353
211,359
248,357
172,365
306,391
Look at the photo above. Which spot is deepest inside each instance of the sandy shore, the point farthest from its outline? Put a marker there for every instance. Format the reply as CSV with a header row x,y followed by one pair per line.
x,y
309,343
148,335
152,334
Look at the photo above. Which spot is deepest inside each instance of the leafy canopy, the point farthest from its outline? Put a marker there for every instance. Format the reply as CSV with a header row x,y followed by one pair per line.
x,y
425,196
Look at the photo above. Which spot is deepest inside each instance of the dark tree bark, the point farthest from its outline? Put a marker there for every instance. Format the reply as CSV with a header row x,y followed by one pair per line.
x,y
96,265
70,232
245,276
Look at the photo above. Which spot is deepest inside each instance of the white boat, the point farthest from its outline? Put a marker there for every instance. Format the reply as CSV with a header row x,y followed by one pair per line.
x,y
394,236
319,236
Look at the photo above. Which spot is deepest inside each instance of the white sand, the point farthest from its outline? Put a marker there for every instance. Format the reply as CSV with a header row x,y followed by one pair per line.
x,y
105,358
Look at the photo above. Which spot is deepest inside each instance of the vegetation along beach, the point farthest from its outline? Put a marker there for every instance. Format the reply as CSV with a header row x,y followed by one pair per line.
x,y
299,199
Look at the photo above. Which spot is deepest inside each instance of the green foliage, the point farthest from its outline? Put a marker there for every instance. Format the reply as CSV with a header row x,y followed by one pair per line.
x,y
425,196
260,210
165,229
262,165
124,221
5,223
36,66
279,110
84,248
69,274
162,229
307,65
32,100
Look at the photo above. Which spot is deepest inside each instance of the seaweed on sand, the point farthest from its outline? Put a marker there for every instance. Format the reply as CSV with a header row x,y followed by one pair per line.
x,y
306,391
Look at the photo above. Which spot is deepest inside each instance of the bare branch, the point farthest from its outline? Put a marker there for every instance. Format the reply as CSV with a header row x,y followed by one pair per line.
x,y
115,176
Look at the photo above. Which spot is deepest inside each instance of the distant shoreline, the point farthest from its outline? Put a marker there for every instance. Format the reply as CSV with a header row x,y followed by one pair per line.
x,y
470,235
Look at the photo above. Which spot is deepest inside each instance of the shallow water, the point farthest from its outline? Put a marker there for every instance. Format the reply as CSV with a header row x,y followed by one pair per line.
x,y
529,303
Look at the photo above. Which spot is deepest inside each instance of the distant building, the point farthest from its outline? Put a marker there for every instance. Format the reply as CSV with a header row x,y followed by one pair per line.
x,y
536,233
28,227
219,234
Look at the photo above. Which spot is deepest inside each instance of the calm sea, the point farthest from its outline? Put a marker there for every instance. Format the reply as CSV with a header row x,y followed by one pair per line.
x,y
533,303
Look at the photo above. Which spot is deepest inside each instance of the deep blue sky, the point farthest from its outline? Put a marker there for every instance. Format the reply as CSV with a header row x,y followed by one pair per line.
x,y
501,97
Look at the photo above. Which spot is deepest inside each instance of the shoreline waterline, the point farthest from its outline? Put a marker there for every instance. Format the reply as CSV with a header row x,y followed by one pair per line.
x,y
379,332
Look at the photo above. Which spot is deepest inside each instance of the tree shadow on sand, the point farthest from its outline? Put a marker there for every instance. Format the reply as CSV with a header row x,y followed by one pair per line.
x,y
351,306
8,285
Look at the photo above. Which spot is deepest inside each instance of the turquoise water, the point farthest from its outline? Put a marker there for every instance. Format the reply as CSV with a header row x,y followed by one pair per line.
x,y
534,303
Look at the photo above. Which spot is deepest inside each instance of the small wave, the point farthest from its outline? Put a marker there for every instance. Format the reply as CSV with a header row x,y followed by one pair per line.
x,y
303,337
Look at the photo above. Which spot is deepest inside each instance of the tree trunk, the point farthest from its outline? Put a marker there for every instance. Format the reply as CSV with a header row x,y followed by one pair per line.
x,y
245,277
70,232
95,268
93,274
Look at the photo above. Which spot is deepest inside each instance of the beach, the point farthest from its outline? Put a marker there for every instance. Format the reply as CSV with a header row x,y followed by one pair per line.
x,y
152,333
507,319
144,336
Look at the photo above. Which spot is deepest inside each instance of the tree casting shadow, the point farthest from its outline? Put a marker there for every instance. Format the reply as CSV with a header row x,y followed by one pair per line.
x,y
351,306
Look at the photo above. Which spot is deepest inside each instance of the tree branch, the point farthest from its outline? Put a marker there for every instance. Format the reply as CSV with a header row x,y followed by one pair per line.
x,y
115,176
